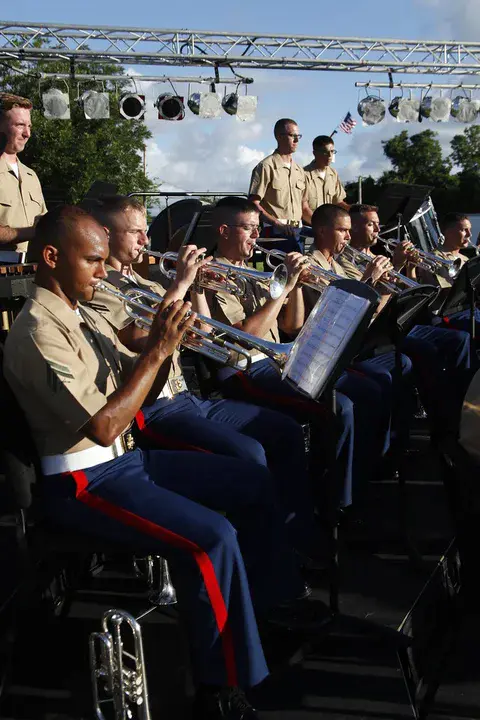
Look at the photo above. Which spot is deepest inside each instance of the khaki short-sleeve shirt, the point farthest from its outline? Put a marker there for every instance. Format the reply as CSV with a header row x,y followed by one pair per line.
x,y
231,310
470,419
21,199
113,308
318,258
321,190
280,188
62,368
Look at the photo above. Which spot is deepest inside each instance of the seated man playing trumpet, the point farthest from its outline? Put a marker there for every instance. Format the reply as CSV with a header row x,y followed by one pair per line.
x,y
80,390
436,354
457,233
359,400
178,420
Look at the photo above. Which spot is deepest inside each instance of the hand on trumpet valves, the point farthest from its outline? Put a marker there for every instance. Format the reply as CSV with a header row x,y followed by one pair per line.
x,y
377,268
189,261
171,322
296,264
403,253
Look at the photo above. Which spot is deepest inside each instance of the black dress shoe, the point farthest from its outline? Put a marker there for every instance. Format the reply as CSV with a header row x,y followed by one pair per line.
x,y
302,615
228,703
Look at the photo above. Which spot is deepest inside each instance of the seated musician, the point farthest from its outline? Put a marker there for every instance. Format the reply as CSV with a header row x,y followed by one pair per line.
x,y
457,232
331,226
236,225
80,392
178,419
437,354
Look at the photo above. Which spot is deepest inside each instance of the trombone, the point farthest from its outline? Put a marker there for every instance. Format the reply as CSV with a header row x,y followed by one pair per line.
x,y
222,343
429,261
313,276
231,279
362,260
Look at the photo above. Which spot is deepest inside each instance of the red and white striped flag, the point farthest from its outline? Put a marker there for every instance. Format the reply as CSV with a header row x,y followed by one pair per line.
x,y
348,123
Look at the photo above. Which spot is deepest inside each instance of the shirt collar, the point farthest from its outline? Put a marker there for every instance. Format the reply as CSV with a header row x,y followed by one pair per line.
x,y
320,258
314,170
57,307
6,168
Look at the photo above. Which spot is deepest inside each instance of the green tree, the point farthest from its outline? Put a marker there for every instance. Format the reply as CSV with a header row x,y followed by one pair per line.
x,y
69,155
417,159
466,156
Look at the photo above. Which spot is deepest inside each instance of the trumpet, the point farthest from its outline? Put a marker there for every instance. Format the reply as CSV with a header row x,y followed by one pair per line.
x,y
222,343
313,276
119,677
362,260
429,261
231,279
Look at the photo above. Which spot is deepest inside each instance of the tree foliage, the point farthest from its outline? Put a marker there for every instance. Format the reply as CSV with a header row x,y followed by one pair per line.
x,y
419,160
69,155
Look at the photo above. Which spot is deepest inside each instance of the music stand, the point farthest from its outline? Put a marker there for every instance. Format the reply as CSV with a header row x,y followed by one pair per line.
x,y
401,199
462,294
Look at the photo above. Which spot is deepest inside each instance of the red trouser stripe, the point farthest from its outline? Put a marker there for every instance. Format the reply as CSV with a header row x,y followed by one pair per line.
x,y
164,440
202,559
258,393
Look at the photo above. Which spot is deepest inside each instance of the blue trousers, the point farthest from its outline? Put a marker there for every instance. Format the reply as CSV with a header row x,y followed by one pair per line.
x,y
461,321
395,378
440,360
345,441
164,502
240,430
287,243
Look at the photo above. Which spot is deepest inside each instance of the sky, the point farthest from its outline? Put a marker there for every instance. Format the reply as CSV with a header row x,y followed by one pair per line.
x,y
202,154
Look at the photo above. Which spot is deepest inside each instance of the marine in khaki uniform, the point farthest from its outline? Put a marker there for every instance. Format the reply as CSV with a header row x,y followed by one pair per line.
x,y
68,373
178,419
323,183
21,198
457,232
277,186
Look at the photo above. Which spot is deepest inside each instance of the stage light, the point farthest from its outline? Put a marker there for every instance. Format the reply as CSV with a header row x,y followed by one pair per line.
x,y
404,109
170,107
132,106
371,109
244,107
96,105
464,110
56,105
436,109
193,103
210,105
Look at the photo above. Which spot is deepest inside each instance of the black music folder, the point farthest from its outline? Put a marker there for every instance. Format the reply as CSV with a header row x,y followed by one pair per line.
x,y
463,290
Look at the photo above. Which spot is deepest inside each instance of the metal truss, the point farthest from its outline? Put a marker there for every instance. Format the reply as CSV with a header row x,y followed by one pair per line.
x,y
143,46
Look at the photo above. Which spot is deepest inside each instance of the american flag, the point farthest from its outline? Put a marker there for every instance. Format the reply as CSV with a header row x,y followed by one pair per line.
x,y
348,123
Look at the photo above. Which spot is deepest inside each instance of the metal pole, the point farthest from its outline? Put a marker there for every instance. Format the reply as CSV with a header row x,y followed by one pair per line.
x,y
360,190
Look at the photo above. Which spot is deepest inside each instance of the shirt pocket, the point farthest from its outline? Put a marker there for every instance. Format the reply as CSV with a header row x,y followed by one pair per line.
x,y
6,199
37,203
300,185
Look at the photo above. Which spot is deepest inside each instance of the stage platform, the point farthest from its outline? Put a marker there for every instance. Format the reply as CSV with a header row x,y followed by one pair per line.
x,y
350,673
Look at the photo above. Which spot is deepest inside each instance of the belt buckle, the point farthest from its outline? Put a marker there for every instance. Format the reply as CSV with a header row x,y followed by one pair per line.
x,y
129,443
177,385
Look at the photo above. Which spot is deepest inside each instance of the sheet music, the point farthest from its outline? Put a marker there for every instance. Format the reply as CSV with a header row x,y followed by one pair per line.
x,y
323,338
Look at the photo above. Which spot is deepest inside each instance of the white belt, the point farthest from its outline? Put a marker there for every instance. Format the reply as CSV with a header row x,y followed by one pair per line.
x,y
81,460
172,387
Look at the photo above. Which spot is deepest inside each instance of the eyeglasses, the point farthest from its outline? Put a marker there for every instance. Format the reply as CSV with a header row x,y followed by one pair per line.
x,y
326,152
248,228
294,137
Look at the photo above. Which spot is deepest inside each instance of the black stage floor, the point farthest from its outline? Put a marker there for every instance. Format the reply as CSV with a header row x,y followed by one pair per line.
x,y
351,673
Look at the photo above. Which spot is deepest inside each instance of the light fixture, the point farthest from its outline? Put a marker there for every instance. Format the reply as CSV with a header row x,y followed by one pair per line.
x,y
209,104
193,103
464,110
436,108
170,107
244,107
404,109
132,106
371,109
96,105
56,104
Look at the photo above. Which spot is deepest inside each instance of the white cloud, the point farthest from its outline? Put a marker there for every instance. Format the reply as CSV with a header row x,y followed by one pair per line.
x,y
455,19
